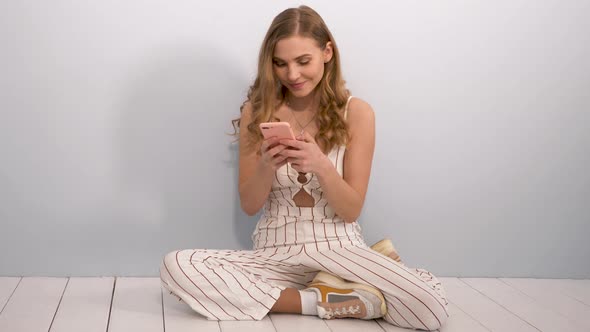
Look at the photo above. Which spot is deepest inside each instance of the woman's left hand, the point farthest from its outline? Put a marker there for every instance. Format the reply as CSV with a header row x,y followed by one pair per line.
x,y
304,154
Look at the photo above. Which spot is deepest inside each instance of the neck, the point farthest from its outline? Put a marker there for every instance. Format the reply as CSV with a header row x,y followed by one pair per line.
x,y
300,104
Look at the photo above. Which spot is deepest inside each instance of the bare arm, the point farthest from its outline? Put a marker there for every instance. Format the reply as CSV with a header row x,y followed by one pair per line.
x,y
347,194
256,170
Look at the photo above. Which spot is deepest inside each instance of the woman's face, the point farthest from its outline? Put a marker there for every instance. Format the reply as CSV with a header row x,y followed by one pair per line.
x,y
298,62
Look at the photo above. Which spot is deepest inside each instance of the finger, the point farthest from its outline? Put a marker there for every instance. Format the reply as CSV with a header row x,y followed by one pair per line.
x,y
270,142
293,161
306,137
279,160
264,146
292,143
281,164
277,149
279,156
293,153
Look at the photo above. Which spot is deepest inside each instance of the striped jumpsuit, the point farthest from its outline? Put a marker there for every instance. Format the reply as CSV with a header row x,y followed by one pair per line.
x,y
291,244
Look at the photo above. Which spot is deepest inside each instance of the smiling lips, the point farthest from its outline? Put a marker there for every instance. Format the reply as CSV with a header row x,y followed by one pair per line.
x,y
297,86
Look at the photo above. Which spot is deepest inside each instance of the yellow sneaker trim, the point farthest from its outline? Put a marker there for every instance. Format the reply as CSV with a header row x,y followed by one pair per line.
x,y
325,289
323,279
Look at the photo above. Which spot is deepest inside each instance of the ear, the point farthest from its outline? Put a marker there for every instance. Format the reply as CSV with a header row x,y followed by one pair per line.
x,y
328,52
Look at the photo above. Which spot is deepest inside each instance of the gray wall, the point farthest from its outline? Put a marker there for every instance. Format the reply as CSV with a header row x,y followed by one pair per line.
x,y
114,119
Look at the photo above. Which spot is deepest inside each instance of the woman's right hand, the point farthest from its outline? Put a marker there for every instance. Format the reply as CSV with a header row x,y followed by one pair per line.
x,y
270,154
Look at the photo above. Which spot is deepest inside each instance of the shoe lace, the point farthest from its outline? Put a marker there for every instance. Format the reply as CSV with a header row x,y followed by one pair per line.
x,y
351,310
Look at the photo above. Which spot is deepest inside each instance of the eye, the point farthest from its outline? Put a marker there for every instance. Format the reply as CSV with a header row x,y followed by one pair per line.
x,y
279,64
303,63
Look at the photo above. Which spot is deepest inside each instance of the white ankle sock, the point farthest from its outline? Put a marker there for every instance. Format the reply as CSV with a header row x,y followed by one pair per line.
x,y
309,302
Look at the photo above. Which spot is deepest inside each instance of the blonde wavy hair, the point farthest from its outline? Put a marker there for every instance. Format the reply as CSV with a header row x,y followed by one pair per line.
x,y
267,94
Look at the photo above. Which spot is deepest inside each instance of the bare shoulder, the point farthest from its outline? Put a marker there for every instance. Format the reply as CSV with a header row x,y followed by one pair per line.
x,y
246,110
246,115
245,120
360,114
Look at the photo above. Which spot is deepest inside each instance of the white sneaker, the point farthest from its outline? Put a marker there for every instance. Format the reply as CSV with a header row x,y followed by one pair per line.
x,y
385,247
338,298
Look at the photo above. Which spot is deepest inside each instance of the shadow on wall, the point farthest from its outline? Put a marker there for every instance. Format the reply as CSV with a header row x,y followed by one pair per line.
x,y
176,164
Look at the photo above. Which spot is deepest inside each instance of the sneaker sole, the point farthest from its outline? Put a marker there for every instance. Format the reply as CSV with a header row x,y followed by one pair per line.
x,y
326,279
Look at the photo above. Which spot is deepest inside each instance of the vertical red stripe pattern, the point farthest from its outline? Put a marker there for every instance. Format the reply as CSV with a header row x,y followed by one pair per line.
x,y
291,244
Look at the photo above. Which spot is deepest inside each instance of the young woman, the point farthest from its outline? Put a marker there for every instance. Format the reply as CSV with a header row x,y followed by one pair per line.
x,y
309,255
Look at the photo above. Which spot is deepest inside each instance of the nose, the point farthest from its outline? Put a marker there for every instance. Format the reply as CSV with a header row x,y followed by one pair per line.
x,y
292,73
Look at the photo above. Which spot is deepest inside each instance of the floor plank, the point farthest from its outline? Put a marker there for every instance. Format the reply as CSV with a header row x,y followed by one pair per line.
x,y
179,317
7,287
298,323
264,325
457,321
576,289
523,306
460,321
137,306
553,298
579,289
389,327
476,305
353,325
482,309
85,305
33,305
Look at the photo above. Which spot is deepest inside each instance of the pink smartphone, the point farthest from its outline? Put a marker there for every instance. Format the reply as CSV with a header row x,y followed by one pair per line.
x,y
276,129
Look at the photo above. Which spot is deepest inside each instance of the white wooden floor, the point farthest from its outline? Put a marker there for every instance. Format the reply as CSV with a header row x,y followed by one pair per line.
x,y
138,304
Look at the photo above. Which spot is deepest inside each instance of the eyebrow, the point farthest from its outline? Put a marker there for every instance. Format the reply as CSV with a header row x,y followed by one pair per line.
x,y
297,58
